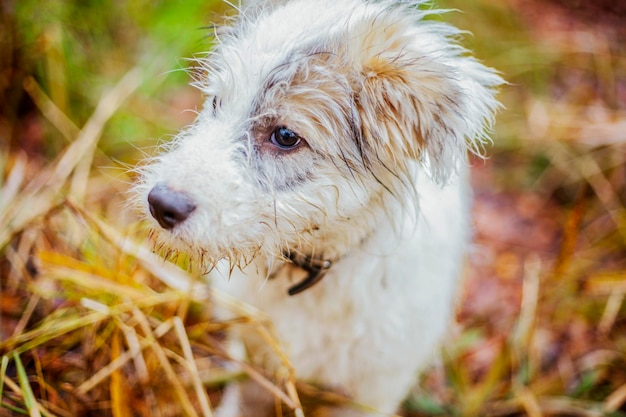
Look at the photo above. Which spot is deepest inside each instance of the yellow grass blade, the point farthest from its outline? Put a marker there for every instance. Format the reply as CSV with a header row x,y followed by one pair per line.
x,y
42,194
107,371
30,340
166,366
615,400
135,347
93,282
50,110
119,399
203,398
12,183
29,398
16,388
4,363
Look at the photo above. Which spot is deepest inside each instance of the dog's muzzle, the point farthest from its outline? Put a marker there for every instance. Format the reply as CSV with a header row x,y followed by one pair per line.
x,y
169,207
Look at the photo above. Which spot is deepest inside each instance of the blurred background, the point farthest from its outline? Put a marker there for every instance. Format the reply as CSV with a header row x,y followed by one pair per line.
x,y
89,326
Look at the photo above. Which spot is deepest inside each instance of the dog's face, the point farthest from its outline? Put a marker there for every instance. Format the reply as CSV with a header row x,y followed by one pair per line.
x,y
317,114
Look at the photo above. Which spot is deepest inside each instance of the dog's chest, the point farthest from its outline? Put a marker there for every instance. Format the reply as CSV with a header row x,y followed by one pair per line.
x,y
362,306
378,311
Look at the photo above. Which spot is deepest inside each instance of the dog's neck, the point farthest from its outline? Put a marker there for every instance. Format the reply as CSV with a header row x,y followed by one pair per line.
x,y
316,263
315,266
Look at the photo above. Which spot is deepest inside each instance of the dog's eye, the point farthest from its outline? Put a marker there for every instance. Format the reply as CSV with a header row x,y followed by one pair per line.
x,y
216,104
284,138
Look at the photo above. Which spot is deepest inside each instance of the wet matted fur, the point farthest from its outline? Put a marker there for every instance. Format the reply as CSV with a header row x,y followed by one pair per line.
x,y
326,177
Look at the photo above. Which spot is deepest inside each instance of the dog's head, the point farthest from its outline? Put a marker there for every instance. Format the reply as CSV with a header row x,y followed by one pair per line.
x,y
317,117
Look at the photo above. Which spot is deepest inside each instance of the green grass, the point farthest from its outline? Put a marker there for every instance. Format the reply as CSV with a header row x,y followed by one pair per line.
x,y
93,323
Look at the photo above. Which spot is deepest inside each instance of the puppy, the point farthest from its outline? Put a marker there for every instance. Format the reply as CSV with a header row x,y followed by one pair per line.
x,y
326,177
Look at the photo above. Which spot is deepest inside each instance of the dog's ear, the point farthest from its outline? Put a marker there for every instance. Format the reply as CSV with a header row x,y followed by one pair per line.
x,y
420,96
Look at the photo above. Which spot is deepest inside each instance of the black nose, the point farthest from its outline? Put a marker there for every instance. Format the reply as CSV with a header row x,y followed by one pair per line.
x,y
169,207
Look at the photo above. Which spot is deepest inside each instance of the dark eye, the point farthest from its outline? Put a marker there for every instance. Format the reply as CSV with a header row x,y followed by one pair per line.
x,y
284,138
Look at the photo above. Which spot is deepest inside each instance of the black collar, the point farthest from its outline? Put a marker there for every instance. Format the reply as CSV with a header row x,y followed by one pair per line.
x,y
316,268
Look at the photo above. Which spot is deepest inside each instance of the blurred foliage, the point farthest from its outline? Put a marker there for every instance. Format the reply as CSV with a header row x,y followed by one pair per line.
x,y
542,324
76,50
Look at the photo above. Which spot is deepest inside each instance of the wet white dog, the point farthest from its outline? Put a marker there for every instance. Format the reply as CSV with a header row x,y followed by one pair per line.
x,y
329,166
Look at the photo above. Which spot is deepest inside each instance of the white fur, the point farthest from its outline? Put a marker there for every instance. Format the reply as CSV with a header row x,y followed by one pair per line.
x,y
387,105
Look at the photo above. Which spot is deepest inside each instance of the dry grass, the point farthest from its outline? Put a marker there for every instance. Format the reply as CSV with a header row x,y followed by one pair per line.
x,y
94,311
94,323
